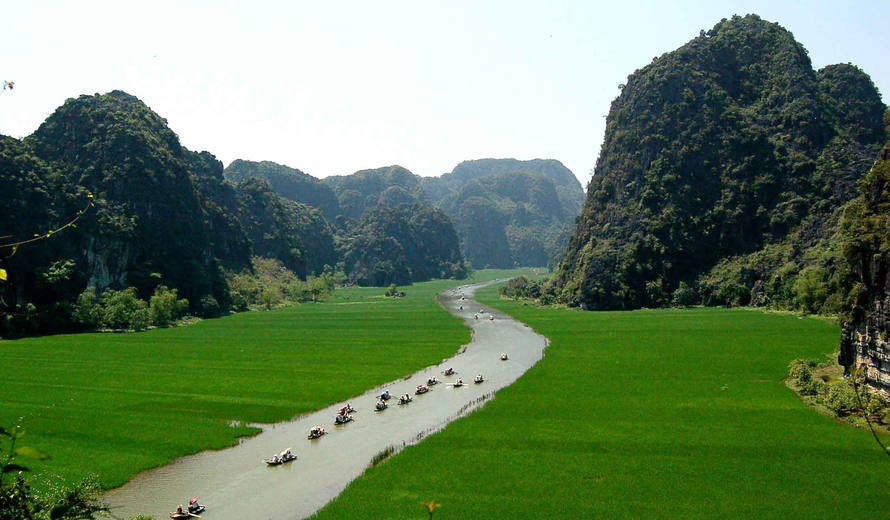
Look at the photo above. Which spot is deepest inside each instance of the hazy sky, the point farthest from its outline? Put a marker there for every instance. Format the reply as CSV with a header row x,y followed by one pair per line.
x,y
334,87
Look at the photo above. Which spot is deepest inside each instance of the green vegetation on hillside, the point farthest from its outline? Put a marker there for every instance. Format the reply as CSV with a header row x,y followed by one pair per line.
x,y
644,414
508,212
724,163
401,244
366,189
290,183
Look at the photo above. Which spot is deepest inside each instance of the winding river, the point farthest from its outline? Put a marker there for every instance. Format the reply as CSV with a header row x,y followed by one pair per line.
x,y
234,483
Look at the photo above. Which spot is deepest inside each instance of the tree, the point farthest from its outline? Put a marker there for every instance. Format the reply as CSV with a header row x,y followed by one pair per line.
x,y
124,310
164,307
810,289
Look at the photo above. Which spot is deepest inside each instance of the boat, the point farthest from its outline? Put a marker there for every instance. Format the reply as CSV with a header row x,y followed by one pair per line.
x,y
316,432
449,372
380,406
432,381
504,356
459,383
421,389
405,400
285,456
479,379
342,419
386,396
194,509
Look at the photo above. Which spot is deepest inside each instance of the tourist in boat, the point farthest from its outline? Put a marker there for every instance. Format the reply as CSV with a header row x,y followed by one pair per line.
x,y
194,506
179,509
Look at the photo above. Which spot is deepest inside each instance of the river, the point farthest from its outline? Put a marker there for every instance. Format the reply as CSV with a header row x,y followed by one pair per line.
x,y
234,483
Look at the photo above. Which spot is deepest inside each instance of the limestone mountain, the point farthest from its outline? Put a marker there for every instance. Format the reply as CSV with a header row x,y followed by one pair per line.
x,y
290,183
401,244
149,225
508,212
365,189
721,149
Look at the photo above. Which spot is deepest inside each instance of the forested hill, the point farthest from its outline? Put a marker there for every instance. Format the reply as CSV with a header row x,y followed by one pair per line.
x,y
508,212
365,189
730,153
569,190
287,182
151,213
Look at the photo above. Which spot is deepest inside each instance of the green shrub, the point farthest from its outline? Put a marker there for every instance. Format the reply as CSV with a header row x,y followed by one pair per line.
x,y
799,372
164,307
124,310
841,398
87,310
684,296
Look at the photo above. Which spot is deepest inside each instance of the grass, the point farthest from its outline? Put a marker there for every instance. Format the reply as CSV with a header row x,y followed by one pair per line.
x,y
645,414
114,404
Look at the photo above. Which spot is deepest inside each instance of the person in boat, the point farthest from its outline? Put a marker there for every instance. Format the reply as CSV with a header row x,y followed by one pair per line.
x,y
179,509
459,382
475,316
503,356
288,454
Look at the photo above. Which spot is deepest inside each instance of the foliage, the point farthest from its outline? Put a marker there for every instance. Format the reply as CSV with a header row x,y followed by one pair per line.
x,y
124,310
402,244
508,212
270,284
290,183
724,166
293,233
164,307
522,287
366,189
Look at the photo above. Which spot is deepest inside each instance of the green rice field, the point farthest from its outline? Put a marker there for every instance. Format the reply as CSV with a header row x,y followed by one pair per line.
x,y
651,414
111,405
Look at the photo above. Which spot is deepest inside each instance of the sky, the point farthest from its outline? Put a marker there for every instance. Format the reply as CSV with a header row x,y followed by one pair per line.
x,y
335,87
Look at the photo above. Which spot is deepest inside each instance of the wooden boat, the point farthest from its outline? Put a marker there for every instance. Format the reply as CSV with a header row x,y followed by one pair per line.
x,y
432,381
316,433
403,400
380,406
283,457
504,357
479,379
186,514
421,389
342,419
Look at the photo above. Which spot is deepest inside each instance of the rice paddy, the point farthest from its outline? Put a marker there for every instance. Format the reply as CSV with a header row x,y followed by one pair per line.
x,y
114,404
643,414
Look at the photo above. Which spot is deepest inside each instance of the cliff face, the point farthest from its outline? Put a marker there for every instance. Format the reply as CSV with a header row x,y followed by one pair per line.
x,y
718,149
865,340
